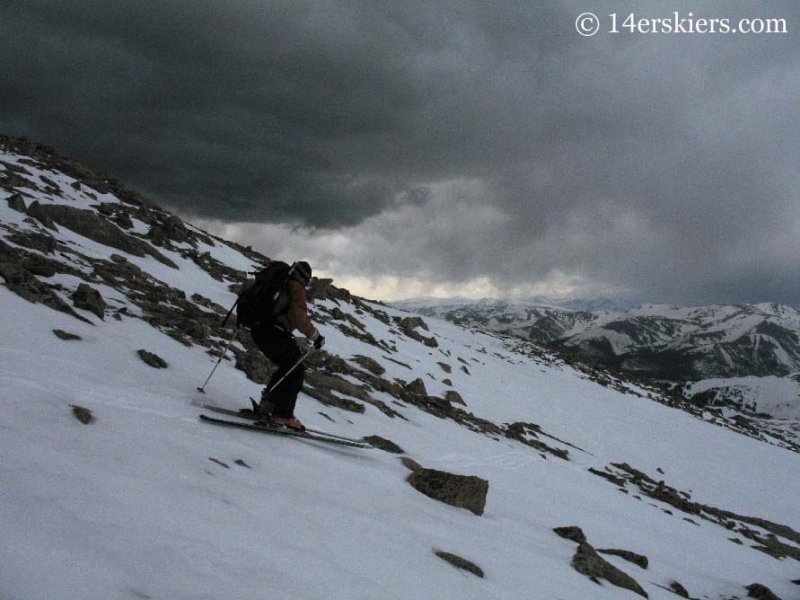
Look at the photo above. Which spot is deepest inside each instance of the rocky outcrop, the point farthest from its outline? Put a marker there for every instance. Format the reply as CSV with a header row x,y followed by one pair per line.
x,y
589,563
409,326
94,227
748,527
17,202
19,269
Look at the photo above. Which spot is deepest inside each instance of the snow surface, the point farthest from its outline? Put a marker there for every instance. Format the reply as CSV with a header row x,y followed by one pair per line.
x,y
133,506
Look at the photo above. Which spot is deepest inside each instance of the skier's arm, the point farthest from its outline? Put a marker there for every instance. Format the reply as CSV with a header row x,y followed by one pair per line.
x,y
298,311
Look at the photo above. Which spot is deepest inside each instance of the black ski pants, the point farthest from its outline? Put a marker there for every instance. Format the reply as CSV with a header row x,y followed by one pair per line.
x,y
281,349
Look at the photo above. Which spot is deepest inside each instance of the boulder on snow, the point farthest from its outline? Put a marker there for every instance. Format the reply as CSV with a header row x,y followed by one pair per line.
x,y
463,491
65,335
84,415
154,360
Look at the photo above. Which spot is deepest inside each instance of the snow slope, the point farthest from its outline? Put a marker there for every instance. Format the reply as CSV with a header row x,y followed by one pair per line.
x,y
147,501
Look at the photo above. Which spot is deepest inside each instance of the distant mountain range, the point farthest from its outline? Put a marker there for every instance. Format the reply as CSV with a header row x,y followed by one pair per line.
x,y
678,344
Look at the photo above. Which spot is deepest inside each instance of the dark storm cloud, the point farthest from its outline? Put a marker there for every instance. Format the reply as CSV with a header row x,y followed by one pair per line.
x,y
665,164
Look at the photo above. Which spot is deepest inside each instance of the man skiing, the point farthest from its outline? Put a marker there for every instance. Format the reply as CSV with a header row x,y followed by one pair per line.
x,y
274,338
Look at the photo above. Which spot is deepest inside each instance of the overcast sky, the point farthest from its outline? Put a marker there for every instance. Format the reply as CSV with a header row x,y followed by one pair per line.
x,y
410,148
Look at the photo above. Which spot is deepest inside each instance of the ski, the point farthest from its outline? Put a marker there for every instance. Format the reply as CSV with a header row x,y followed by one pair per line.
x,y
247,414
306,435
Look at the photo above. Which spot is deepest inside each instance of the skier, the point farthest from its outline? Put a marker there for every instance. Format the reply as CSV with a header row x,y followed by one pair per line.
x,y
274,338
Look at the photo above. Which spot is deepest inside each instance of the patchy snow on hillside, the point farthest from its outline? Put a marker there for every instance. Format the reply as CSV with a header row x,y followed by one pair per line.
x,y
147,501
776,396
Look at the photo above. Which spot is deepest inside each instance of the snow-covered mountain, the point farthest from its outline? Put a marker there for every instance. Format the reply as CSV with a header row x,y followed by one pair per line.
x,y
497,469
663,342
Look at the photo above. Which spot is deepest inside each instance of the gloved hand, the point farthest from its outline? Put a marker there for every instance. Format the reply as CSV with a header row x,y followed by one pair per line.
x,y
318,340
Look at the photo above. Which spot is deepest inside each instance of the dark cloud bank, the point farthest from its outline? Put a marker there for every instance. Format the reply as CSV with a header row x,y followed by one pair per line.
x,y
663,164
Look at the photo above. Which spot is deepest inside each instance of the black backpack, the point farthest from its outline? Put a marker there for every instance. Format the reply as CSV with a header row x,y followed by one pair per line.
x,y
256,304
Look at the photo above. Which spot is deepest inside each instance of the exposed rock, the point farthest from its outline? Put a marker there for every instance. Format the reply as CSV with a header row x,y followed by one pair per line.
x,y
254,364
42,242
377,441
84,415
527,433
88,298
760,592
16,202
171,229
217,270
329,399
19,279
66,336
37,212
679,589
769,544
453,397
587,562
409,326
464,491
572,532
416,388
152,359
323,289
90,225
413,323
460,563
370,364
637,559
411,464
619,481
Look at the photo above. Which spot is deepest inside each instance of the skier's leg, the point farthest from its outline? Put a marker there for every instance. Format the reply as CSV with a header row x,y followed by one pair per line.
x,y
281,349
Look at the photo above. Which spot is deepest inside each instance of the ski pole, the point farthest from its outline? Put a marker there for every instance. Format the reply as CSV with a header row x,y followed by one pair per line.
x,y
224,352
294,366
